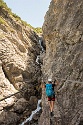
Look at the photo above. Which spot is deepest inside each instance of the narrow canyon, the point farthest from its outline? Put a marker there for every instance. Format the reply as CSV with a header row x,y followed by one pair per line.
x,y
27,58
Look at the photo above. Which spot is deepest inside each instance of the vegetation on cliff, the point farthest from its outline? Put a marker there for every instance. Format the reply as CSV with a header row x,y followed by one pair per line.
x,y
3,5
37,29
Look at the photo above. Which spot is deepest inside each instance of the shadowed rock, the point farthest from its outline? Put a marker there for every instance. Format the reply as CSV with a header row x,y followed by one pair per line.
x,y
63,34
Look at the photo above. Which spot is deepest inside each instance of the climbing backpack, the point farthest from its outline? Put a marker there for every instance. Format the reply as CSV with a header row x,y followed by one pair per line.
x,y
49,90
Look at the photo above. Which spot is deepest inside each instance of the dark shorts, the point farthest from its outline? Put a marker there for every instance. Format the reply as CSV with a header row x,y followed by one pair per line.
x,y
51,98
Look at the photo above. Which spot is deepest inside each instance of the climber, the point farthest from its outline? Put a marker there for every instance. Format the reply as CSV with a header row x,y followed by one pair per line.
x,y
50,93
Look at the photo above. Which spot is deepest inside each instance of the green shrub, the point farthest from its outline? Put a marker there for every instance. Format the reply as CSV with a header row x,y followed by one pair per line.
x,y
4,5
38,30
2,21
16,16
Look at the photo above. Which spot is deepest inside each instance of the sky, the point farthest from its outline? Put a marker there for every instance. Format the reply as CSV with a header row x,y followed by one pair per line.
x,y
31,11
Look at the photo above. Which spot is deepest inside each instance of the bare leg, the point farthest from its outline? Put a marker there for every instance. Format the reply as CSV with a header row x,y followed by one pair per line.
x,y
52,105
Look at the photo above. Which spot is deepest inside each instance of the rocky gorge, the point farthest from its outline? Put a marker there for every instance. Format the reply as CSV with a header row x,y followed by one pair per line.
x,y
24,63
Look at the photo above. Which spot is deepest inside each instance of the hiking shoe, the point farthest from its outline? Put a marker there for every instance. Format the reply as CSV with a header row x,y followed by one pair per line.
x,y
51,114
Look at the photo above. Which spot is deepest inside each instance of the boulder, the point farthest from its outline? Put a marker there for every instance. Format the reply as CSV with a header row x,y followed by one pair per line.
x,y
20,106
8,118
33,102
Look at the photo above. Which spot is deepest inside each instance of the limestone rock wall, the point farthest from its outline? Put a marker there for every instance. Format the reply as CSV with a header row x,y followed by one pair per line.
x,y
63,34
19,47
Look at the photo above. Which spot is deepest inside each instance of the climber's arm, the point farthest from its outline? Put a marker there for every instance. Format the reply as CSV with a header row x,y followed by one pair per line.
x,y
43,85
56,82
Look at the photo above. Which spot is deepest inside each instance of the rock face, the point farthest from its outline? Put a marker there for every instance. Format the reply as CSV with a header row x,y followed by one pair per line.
x,y
18,51
63,34
19,47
